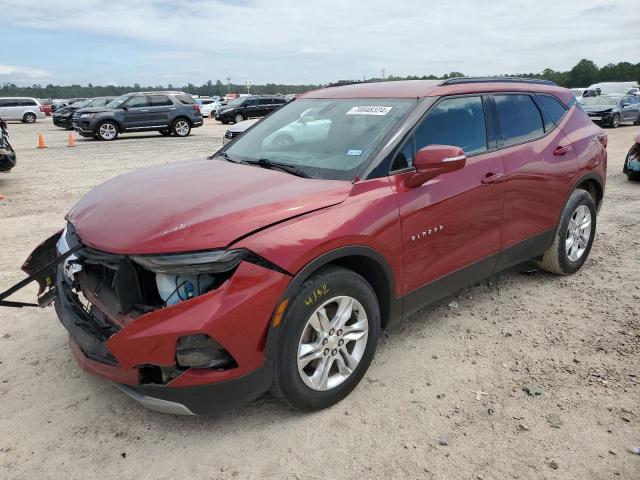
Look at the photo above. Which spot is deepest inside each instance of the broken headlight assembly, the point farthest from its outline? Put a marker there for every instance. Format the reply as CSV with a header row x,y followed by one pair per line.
x,y
183,276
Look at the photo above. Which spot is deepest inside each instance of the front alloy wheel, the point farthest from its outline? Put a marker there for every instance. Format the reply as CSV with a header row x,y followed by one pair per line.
x,y
332,343
326,340
107,131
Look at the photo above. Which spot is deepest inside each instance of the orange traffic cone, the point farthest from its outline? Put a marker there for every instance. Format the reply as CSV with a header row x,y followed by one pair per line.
x,y
41,143
72,142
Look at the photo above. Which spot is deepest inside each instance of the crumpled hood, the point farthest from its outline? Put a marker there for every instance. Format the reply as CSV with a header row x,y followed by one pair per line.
x,y
194,205
598,108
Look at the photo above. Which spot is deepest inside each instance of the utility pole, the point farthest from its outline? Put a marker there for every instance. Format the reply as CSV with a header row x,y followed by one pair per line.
x,y
228,84
383,73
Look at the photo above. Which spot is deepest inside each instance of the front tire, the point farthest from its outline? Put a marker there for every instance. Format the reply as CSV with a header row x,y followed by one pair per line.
x,y
29,117
181,127
615,121
329,337
573,240
238,118
107,131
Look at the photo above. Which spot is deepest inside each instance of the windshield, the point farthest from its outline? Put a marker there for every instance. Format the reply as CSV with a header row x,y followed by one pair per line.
x,y
324,138
235,103
81,104
117,103
608,100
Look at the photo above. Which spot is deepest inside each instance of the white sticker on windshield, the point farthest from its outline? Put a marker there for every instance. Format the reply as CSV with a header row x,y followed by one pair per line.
x,y
354,153
369,110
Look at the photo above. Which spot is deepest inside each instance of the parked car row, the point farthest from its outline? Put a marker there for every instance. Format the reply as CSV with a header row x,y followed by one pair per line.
x,y
63,117
612,110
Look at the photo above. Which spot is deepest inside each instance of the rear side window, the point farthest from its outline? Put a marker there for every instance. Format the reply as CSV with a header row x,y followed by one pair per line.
x,y
455,121
10,102
520,119
27,102
159,100
186,99
554,108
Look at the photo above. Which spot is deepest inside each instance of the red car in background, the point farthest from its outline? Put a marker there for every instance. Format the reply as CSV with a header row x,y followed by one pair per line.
x,y
196,286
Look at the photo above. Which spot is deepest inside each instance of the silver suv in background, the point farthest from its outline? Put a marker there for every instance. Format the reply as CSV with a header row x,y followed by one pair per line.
x,y
25,109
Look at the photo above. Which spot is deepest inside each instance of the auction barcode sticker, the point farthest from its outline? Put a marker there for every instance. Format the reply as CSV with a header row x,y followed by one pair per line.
x,y
369,110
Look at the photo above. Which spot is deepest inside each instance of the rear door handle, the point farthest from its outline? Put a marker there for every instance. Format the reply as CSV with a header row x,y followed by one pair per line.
x,y
562,150
492,178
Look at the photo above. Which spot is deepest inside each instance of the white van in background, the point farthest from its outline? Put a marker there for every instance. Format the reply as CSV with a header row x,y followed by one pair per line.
x,y
24,109
604,88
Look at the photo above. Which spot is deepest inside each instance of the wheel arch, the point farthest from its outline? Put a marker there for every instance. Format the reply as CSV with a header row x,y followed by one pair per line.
x,y
181,117
592,183
365,261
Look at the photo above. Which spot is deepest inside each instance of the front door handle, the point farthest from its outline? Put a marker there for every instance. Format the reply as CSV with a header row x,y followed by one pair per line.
x,y
562,150
492,178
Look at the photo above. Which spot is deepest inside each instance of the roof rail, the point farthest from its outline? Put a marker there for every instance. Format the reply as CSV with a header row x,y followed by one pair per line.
x,y
462,80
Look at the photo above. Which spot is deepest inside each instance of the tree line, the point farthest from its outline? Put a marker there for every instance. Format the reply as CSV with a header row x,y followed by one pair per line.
x,y
583,74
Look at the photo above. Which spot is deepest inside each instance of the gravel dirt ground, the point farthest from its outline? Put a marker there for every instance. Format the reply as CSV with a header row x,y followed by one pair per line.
x,y
415,415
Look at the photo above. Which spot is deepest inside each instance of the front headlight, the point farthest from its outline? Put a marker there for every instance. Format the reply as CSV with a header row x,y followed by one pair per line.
x,y
214,261
87,115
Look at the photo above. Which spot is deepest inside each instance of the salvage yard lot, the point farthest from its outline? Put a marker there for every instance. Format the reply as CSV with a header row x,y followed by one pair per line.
x,y
415,415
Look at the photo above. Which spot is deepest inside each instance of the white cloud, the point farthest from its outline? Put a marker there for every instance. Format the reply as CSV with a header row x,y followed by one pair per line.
x,y
293,41
21,72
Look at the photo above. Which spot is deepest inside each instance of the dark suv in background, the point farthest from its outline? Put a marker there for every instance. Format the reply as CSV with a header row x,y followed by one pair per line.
x,y
249,107
167,112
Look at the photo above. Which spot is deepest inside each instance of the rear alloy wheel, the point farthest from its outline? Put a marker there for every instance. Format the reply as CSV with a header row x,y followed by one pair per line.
x,y
615,121
181,128
329,336
573,240
238,118
107,131
29,117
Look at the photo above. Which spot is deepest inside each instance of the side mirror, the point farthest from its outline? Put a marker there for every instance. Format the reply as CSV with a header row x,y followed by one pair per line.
x,y
435,160
125,108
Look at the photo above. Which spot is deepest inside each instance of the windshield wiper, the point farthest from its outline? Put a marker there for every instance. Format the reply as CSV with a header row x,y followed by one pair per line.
x,y
226,156
285,167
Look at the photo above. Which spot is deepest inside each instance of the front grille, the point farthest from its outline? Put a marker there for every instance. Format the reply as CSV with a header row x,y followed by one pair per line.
x,y
89,327
231,134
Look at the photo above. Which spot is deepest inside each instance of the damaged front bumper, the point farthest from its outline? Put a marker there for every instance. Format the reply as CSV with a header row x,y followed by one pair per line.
x,y
136,347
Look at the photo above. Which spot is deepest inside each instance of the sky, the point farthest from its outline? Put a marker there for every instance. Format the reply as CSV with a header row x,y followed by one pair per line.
x,y
159,42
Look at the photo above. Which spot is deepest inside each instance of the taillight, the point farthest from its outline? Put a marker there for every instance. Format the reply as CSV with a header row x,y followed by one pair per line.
x,y
603,139
196,107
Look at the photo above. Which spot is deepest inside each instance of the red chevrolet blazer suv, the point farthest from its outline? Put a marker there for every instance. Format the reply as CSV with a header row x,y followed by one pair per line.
x,y
275,263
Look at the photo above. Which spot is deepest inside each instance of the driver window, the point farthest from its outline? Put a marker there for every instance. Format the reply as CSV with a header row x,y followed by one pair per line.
x,y
455,121
140,101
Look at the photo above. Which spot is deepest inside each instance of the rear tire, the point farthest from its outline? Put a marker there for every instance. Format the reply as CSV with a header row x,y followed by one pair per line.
x,y
321,355
29,117
573,240
181,127
107,131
